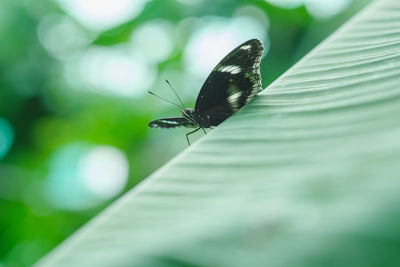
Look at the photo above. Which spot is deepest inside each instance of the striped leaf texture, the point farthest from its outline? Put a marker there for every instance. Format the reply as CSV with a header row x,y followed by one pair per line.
x,y
307,174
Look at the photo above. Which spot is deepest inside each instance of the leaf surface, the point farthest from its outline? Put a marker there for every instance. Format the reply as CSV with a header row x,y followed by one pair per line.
x,y
307,174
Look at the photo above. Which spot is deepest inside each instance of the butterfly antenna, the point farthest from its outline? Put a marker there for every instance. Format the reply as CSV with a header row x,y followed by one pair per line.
x,y
164,99
175,93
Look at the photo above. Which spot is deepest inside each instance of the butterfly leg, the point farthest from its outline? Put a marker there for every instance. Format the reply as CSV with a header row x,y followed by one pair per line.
x,y
204,130
187,135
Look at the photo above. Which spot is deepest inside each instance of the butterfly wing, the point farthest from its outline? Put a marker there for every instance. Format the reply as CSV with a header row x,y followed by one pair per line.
x,y
232,83
172,123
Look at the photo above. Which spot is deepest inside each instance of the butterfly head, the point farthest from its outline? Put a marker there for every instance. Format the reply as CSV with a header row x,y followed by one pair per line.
x,y
187,112
190,114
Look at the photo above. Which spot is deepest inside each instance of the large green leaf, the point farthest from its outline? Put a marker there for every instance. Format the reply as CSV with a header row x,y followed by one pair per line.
x,y
308,174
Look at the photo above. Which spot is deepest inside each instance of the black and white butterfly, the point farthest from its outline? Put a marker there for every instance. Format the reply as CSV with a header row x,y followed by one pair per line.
x,y
232,83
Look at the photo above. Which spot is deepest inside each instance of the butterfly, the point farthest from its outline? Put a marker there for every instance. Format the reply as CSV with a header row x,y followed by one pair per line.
x,y
232,83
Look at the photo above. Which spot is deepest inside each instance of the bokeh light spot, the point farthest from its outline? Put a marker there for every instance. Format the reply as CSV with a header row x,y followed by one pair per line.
x,y
153,41
253,12
6,137
100,15
325,8
65,189
62,38
82,176
320,9
104,170
110,70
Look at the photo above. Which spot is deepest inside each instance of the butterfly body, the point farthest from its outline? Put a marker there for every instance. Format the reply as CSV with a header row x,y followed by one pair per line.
x,y
233,82
199,120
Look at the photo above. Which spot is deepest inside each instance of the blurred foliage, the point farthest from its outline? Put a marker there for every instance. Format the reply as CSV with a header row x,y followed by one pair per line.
x,y
46,112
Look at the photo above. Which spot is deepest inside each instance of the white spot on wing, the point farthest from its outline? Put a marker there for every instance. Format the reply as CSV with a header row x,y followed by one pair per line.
x,y
230,68
234,100
170,122
245,47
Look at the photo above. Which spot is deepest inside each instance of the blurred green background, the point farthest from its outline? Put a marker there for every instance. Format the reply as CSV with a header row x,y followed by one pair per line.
x,y
74,107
